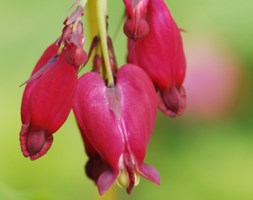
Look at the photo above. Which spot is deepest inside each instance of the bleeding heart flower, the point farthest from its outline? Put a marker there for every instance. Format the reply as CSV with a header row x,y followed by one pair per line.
x,y
116,125
49,93
47,101
160,53
136,25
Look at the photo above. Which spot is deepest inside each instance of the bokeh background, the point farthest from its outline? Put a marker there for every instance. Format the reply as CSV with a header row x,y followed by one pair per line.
x,y
207,154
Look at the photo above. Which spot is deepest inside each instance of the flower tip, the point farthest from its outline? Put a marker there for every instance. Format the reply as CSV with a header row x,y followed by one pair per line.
x,y
128,180
75,16
172,101
150,173
134,31
34,143
105,181
136,25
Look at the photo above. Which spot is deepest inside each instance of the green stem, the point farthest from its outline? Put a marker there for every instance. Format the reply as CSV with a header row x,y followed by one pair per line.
x,y
91,19
101,15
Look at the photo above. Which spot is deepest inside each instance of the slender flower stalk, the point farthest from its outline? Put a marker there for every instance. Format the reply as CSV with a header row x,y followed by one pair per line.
x,y
102,20
92,21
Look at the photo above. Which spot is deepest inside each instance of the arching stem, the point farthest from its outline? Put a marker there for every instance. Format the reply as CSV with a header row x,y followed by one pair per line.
x,y
102,17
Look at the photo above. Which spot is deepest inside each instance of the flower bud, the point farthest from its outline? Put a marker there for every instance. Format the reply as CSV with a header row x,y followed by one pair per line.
x,y
116,124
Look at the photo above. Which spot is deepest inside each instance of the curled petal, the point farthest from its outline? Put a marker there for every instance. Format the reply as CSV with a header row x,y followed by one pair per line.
x,y
34,143
172,101
74,54
73,45
105,181
149,173
75,16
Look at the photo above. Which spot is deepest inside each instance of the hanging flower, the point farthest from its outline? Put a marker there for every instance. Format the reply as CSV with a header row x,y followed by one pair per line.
x,y
49,93
115,108
116,124
160,53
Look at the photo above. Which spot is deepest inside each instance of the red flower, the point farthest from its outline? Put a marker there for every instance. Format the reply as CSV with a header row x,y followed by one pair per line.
x,y
116,124
49,93
47,101
160,53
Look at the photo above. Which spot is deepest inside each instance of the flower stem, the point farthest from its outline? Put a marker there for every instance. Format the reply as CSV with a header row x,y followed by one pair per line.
x,y
102,15
91,19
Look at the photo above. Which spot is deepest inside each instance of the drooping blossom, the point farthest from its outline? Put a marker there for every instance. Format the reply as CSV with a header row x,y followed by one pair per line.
x,y
116,125
115,109
160,53
49,93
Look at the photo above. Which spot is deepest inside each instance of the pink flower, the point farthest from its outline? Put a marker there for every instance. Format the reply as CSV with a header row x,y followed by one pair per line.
x,y
49,93
160,53
136,25
47,101
116,125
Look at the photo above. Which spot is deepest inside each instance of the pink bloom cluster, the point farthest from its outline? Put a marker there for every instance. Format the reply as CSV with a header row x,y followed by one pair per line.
x,y
116,121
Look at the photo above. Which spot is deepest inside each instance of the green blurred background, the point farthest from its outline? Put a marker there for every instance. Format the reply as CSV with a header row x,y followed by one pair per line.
x,y
207,154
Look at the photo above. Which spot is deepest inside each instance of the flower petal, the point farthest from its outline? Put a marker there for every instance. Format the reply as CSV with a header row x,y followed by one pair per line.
x,y
106,180
149,173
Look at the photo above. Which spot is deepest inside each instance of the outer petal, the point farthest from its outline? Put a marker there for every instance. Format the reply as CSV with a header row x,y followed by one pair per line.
x,y
161,54
149,173
52,96
139,106
99,125
49,53
138,117
106,180
95,165
34,142
96,119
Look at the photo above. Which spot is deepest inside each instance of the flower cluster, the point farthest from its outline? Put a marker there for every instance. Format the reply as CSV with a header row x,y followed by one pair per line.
x,y
115,108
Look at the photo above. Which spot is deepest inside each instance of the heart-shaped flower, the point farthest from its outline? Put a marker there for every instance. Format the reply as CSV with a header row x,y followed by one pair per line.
x,y
116,125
